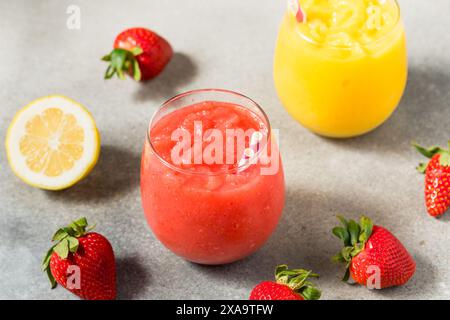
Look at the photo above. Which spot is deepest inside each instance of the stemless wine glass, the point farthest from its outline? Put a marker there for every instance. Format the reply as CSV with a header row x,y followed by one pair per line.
x,y
211,213
340,66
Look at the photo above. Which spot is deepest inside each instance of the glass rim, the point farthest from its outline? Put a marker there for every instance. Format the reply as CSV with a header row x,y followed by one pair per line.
x,y
232,170
337,47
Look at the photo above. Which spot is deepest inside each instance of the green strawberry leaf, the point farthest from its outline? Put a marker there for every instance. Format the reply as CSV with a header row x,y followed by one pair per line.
x,y
280,268
353,229
74,228
347,274
338,258
73,244
356,250
427,152
109,72
444,159
62,249
311,293
46,260
342,234
118,60
59,235
136,71
366,229
51,278
280,274
422,167
346,253
82,222
343,221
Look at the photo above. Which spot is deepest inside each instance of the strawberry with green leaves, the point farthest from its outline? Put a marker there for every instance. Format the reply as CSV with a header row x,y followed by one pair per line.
x,y
139,52
373,256
289,284
437,178
82,262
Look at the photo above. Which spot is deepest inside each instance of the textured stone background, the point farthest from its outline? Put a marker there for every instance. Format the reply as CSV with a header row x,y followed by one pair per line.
x,y
226,44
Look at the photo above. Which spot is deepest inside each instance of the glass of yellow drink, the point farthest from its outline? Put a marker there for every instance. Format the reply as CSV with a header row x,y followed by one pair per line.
x,y
340,66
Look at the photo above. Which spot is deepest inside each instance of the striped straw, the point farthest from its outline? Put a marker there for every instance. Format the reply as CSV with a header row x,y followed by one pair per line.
x,y
251,151
295,8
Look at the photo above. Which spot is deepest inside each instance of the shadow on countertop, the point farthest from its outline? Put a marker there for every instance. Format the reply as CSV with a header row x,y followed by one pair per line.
x,y
423,115
116,172
445,217
132,278
179,72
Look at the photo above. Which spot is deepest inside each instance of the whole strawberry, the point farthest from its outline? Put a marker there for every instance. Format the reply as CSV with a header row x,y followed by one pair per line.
x,y
289,285
373,256
82,262
437,179
140,52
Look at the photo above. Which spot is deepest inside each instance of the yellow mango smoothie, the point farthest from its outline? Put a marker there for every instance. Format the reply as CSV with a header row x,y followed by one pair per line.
x,y
340,66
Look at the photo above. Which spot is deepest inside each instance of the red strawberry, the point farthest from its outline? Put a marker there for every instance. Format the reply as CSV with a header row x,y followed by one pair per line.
x,y
82,262
139,52
374,257
437,179
290,285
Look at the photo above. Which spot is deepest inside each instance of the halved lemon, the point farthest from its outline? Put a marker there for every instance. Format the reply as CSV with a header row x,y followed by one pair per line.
x,y
52,143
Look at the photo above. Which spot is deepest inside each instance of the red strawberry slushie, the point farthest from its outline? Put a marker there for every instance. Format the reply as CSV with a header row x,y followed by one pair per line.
x,y
209,199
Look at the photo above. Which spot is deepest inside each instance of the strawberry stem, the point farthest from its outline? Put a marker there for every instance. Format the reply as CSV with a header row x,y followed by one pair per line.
x,y
297,280
123,61
444,159
354,236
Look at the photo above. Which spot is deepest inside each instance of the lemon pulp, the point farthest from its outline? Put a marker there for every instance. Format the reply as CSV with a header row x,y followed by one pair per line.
x,y
52,143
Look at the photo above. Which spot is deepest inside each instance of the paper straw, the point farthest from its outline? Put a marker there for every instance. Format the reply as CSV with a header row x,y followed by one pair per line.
x,y
295,8
251,151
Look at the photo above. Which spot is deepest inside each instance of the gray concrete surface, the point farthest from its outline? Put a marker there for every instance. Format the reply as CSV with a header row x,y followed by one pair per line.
x,y
225,44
